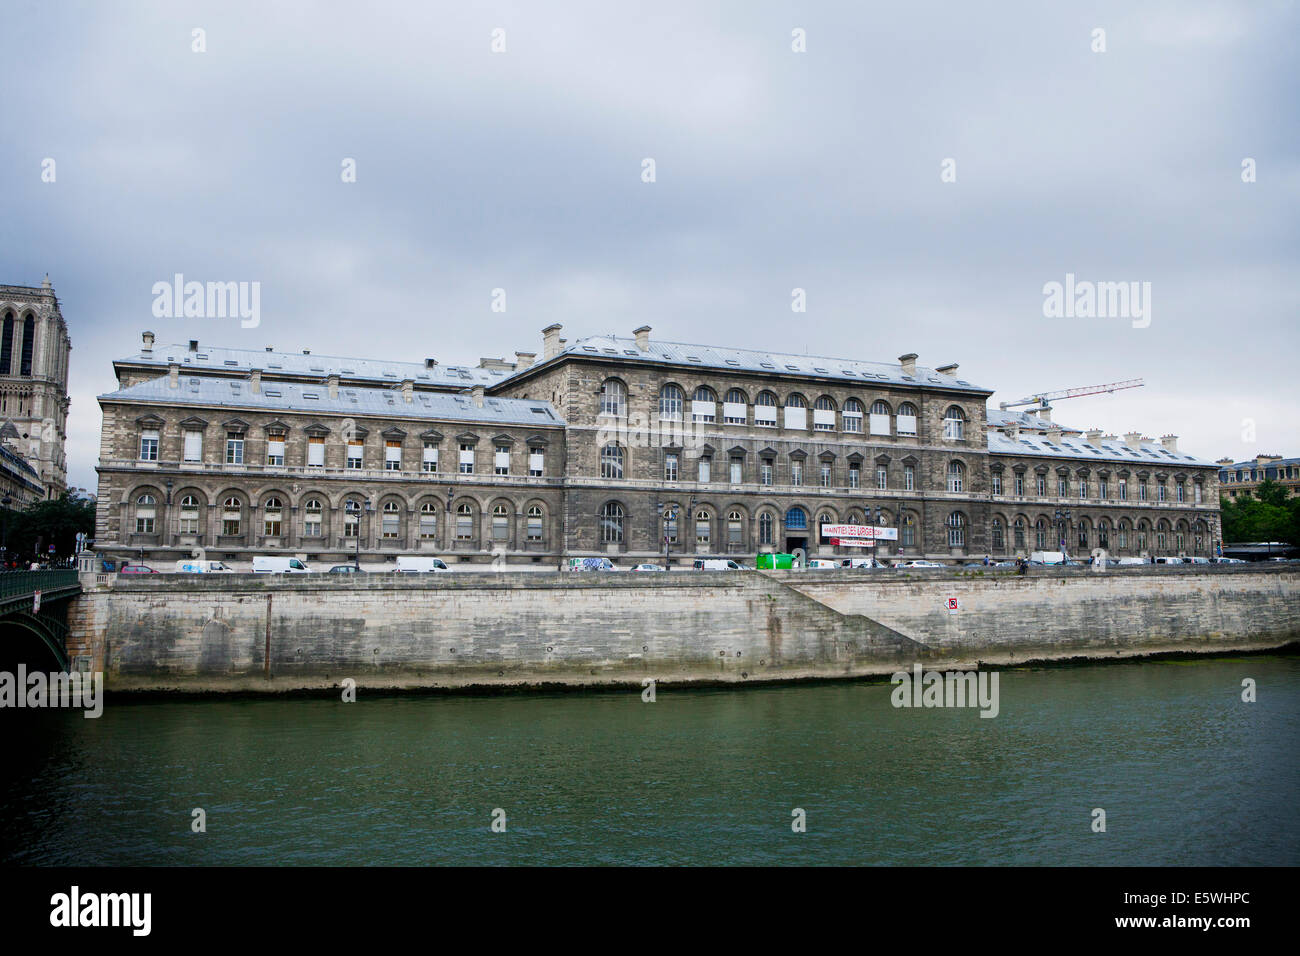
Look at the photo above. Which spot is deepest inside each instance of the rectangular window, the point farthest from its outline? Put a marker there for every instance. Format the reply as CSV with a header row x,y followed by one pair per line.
x,y
906,424
1123,491
464,527
393,455
796,473
825,475
1196,493
1181,488
765,472
311,525
909,478
234,448
536,463
316,451
734,413
501,460
356,453
1020,484
467,459
1160,491
428,523
704,411
1083,487
706,469
796,418
670,467
392,521
194,446
882,476
879,424
737,470
1062,487
1040,485
852,422
149,446
189,519
1142,491
534,527
275,450
429,462
765,415
1103,489
824,419
855,475
997,484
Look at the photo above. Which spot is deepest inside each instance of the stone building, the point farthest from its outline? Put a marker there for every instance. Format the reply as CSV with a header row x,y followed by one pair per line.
x,y
34,351
628,447
1239,477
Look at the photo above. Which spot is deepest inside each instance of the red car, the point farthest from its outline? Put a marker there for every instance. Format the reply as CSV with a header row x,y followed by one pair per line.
x,y
136,569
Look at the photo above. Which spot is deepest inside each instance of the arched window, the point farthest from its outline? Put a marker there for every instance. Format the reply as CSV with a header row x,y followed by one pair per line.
x,y
796,412
735,408
7,345
145,514
613,397
534,527
906,420
851,417
464,522
1040,534
273,513
611,462
1083,535
704,405
765,406
311,518
1162,535
429,521
232,517
1122,535
189,517
703,528
998,541
1103,534
29,331
611,523
765,528
796,519
1143,527
954,423
824,414
670,403
1020,534
500,524
391,520
1199,531
956,530
907,535
735,529
795,400
956,476
351,517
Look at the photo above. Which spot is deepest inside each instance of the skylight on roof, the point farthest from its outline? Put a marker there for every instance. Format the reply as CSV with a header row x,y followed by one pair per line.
x,y
310,395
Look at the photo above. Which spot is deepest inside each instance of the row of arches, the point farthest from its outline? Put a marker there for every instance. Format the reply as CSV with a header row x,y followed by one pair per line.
x,y
1014,534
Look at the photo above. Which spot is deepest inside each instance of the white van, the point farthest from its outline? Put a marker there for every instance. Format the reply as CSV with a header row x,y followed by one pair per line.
x,y
822,563
591,564
195,566
716,564
275,564
1125,562
859,563
1048,557
418,563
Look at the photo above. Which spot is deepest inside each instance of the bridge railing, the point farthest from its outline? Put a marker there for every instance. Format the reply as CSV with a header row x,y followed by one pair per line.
x,y
15,583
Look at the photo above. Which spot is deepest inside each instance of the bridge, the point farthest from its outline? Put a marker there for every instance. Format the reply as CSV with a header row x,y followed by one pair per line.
x,y
45,619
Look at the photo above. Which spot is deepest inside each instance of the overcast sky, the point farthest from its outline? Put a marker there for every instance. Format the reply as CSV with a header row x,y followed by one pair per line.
x,y
774,170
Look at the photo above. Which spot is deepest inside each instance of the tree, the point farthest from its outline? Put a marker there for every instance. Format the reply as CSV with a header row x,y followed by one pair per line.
x,y
1267,515
56,521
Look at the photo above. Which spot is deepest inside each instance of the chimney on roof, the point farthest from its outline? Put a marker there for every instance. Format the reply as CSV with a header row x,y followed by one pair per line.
x,y
1013,430
173,374
477,392
1170,442
270,349
1225,462
1094,435
1133,440
551,341
523,360
1045,413
306,351
255,381
908,362
408,389
430,362
333,383
642,338
194,345
947,369
1054,434
148,342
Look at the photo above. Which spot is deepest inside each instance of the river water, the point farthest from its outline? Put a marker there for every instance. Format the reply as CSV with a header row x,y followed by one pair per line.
x,y
1186,772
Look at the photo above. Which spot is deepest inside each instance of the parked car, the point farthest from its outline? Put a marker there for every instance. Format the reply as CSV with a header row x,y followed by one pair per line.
x,y
1125,562
276,564
590,564
195,566
818,564
346,569
918,564
860,563
1190,560
420,564
135,569
1228,560
649,567
716,564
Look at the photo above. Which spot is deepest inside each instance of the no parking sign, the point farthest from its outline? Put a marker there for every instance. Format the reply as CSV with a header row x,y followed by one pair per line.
x,y
952,605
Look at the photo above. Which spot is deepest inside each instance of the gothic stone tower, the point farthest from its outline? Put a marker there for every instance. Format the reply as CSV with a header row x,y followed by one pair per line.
x,y
34,347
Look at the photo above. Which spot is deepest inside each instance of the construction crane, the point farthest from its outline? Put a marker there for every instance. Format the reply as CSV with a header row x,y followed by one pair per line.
x,y
1043,399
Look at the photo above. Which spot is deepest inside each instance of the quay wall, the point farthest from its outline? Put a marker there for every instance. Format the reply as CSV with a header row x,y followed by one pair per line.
x,y
276,633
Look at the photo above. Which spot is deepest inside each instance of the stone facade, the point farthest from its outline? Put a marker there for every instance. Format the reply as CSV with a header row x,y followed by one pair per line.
x,y
648,448
34,352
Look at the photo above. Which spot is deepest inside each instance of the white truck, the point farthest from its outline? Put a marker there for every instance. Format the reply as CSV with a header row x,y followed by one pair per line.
x,y
419,564
275,564
200,566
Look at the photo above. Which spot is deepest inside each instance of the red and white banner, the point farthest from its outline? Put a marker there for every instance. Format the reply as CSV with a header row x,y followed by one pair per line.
x,y
859,531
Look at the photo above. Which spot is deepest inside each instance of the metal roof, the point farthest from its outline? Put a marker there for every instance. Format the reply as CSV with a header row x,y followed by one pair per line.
x,y
371,402
1252,464
296,363
999,418
1080,449
764,363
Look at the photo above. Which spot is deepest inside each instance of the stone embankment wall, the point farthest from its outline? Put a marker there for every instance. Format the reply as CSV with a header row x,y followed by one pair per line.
x,y
280,633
